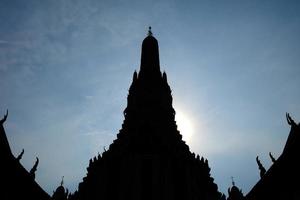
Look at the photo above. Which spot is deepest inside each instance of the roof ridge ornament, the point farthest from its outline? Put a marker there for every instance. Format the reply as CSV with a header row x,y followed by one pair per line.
x,y
34,168
261,167
149,31
4,118
20,156
290,120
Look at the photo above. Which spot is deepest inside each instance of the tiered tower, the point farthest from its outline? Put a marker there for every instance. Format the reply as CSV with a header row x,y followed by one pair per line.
x,y
149,159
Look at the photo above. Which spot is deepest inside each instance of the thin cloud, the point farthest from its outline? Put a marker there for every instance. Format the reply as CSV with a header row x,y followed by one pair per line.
x,y
12,43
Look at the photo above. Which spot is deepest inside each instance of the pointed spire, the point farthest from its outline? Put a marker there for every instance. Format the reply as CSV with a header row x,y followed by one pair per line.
x,y
62,181
232,181
165,77
234,193
272,157
150,54
99,156
134,78
60,193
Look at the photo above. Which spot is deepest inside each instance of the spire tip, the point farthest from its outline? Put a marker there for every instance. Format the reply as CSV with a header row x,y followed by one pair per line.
x,y
149,31
232,181
62,181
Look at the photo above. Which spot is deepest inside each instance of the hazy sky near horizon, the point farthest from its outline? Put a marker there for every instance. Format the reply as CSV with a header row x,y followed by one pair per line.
x,y
66,66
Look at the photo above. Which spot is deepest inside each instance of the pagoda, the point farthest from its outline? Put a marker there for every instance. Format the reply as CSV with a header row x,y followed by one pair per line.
x,y
148,159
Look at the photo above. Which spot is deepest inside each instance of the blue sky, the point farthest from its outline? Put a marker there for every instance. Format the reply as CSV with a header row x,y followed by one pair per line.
x,y
66,66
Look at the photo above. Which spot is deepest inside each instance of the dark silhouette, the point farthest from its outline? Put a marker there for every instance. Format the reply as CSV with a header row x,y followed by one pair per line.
x,y
16,182
272,158
20,155
34,168
149,160
290,120
260,167
234,193
280,182
5,151
62,181
4,118
60,193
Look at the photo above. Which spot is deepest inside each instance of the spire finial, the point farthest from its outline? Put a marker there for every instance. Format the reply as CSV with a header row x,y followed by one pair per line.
x,y
149,31
233,184
62,181
150,55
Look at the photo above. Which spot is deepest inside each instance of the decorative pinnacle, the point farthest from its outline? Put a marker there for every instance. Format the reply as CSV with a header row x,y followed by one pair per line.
x,y
233,184
62,181
149,31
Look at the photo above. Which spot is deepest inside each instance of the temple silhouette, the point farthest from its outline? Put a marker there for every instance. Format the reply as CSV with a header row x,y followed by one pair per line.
x,y
149,160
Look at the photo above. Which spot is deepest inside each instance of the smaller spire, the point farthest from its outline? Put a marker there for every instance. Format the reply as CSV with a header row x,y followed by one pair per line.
x,y
165,76
272,157
134,76
149,31
62,181
233,184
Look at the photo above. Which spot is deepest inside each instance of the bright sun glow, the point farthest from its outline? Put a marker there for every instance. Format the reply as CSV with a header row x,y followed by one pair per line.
x,y
185,125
